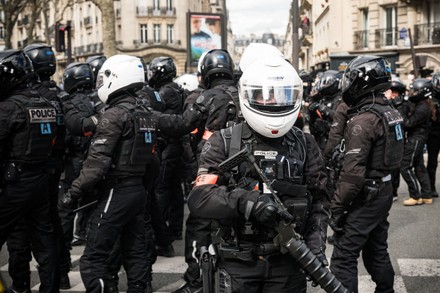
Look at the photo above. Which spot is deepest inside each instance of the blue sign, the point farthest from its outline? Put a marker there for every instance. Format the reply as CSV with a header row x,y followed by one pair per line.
x,y
403,33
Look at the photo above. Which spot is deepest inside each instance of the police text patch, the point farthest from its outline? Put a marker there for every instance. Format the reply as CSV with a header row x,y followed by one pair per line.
x,y
42,115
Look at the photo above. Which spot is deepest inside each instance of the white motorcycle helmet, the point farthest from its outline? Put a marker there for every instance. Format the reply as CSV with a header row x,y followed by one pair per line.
x,y
119,73
256,51
270,96
188,81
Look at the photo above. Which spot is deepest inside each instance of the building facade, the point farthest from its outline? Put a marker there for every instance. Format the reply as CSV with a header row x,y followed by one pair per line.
x,y
340,30
145,28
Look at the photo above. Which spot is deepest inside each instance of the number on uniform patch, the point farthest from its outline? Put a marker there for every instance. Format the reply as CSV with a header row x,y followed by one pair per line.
x,y
399,134
148,138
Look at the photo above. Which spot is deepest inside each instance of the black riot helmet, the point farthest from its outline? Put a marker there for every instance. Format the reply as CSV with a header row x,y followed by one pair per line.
x,y
217,63
397,86
43,60
78,76
436,84
95,63
161,69
16,68
421,89
365,75
329,82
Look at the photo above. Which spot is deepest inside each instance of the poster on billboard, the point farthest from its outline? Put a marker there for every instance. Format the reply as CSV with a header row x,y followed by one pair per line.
x,y
205,32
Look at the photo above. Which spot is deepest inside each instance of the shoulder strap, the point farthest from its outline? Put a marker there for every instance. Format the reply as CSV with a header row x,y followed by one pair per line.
x,y
295,139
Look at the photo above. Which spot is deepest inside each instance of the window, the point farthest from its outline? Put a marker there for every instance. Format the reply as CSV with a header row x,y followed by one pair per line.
x,y
156,4
156,33
170,36
390,26
169,5
365,27
144,33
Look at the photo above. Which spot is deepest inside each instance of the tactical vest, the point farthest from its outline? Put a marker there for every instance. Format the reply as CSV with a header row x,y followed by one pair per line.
x,y
135,150
233,111
387,152
282,163
49,91
33,143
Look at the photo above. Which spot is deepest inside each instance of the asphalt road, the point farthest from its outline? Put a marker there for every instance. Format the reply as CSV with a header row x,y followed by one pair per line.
x,y
414,246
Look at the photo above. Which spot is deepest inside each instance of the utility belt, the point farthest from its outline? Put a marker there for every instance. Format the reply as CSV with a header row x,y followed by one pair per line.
x,y
247,252
111,182
11,170
372,186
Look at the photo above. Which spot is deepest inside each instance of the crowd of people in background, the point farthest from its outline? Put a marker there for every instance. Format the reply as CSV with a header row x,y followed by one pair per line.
x,y
109,157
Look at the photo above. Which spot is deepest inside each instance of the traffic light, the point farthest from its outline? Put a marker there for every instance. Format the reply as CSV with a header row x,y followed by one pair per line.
x,y
60,44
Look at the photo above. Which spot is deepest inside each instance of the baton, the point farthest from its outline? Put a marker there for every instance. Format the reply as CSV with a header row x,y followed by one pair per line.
x,y
85,206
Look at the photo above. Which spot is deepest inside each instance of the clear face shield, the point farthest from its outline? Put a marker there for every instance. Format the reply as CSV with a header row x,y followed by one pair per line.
x,y
278,99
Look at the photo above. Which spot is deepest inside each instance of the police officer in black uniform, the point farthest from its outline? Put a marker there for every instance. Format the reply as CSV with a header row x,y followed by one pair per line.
x,y
363,197
396,96
81,117
221,98
168,195
26,140
433,143
417,124
115,164
244,210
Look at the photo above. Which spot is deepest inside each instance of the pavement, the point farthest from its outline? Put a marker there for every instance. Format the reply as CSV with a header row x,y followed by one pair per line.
x,y
414,238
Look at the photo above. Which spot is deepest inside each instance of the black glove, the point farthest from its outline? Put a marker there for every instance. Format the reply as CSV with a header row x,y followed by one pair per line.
x,y
313,106
338,217
324,110
67,200
266,211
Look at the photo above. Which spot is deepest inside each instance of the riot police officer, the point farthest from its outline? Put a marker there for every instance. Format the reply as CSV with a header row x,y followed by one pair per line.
x,y
115,164
81,117
396,95
168,195
363,197
221,98
239,201
417,124
26,140
433,143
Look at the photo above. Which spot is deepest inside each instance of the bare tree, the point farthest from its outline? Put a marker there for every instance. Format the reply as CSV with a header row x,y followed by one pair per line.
x,y
11,10
34,8
108,26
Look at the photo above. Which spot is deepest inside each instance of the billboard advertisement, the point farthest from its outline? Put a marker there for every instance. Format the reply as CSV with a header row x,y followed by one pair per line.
x,y
205,32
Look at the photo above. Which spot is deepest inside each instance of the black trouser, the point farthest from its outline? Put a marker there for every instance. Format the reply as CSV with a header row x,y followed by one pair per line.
x,y
366,230
433,145
413,169
27,198
119,214
197,234
20,252
73,165
395,180
273,273
169,193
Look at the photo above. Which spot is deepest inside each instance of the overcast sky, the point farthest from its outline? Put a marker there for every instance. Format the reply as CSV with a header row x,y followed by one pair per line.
x,y
258,16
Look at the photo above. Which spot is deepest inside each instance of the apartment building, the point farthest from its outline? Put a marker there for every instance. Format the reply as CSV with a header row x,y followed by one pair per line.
x,y
340,30
241,42
146,28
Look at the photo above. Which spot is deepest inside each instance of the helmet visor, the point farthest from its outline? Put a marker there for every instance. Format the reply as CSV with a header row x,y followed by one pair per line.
x,y
99,80
271,98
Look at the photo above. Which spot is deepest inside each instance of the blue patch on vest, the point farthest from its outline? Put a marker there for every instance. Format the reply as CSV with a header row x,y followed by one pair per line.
x,y
148,138
399,134
157,95
45,128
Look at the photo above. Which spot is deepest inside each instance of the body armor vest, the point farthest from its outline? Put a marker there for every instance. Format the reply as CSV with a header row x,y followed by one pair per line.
x,y
135,150
33,143
282,162
233,110
49,90
387,152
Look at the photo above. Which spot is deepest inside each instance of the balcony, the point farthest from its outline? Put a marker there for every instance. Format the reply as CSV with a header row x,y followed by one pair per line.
x,y
386,37
361,40
142,11
427,34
